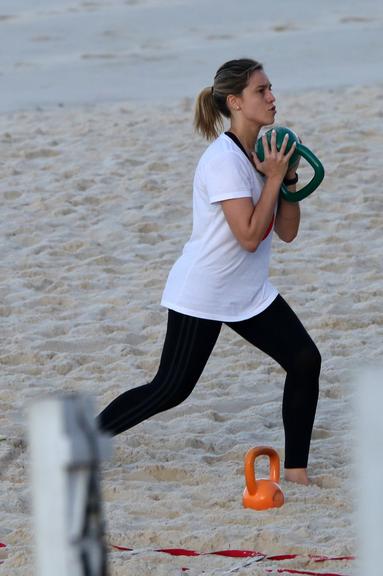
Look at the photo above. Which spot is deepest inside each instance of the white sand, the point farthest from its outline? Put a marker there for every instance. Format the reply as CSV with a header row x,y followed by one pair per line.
x,y
96,205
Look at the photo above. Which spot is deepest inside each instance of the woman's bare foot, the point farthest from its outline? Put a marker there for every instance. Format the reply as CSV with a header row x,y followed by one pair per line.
x,y
298,475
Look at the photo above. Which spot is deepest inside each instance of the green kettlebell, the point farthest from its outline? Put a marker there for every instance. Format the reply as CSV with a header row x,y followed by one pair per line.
x,y
301,150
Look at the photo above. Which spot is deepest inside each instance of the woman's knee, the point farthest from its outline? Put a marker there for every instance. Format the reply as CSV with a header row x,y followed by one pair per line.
x,y
308,360
170,396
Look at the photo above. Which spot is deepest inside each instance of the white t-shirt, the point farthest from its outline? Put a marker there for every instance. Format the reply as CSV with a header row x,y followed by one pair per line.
x,y
215,278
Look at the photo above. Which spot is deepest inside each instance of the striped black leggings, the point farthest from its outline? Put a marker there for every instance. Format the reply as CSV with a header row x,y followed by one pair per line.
x,y
188,344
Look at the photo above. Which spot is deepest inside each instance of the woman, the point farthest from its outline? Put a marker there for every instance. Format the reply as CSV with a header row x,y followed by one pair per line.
x,y
222,274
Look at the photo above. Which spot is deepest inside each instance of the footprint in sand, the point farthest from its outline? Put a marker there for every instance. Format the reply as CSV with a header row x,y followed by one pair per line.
x,y
5,17
110,33
160,473
219,37
90,5
84,184
158,167
147,227
327,481
41,153
106,56
321,433
12,194
360,19
352,149
44,38
284,27
332,393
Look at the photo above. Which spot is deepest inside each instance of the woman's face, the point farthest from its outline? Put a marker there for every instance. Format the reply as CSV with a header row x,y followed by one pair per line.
x,y
257,102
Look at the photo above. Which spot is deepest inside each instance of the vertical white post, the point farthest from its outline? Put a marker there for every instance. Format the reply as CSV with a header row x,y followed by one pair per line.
x,y
369,464
66,448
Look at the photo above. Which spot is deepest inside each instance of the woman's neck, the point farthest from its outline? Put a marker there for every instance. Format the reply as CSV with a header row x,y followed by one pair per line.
x,y
247,136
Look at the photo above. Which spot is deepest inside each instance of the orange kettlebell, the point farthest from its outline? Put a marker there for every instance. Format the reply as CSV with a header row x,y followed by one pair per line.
x,y
264,493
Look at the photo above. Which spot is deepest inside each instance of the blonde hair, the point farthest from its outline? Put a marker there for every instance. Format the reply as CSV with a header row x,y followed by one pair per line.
x,y
231,78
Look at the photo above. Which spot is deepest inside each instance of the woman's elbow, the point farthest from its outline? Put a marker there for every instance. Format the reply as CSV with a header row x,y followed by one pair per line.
x,y
250,245
288,236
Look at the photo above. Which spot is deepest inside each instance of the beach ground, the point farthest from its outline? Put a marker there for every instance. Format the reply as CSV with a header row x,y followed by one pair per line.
x,y
96,207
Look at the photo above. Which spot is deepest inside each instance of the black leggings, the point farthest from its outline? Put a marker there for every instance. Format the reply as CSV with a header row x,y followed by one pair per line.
x,y
188,344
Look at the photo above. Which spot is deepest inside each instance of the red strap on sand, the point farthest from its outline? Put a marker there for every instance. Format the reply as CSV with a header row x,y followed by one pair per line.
x,y
184,552
313,557
178,552
283,557
253,554
246,554
292,571
2,546
239,554
230,553
327,558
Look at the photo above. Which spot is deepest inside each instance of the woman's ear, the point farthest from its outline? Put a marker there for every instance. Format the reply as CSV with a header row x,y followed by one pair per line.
x,y
232,103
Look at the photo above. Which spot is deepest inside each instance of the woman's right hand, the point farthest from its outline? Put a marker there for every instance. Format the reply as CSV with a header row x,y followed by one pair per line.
x,y
276,162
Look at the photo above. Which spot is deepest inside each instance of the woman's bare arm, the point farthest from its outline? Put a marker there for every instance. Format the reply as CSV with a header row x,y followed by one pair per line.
x,y
247,221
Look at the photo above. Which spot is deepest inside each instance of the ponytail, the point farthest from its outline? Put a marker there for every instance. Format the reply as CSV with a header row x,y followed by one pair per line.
x,y
231,78
207,117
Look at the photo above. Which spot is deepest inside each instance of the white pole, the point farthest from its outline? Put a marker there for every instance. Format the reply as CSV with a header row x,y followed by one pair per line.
x,y
369,467
66,448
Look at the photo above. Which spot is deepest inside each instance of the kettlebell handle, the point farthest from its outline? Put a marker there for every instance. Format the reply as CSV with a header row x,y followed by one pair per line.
x,y
309,188
250,457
